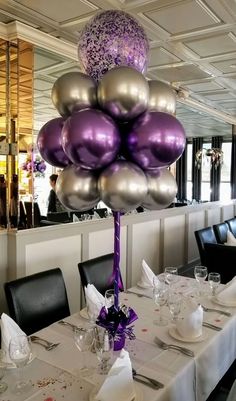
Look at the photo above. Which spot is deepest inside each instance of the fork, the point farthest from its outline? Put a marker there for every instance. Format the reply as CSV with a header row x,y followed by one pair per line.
x,y
165,346
216,310
48,345
154,383
73,326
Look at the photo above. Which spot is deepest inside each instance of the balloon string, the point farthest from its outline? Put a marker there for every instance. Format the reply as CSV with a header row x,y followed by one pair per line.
x,y
116,266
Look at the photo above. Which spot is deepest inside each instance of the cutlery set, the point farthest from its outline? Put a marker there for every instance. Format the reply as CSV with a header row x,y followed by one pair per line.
x,y
48,345
148,381
166,346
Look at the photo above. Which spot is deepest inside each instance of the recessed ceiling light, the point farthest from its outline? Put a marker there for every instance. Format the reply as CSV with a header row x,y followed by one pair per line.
x,y
232,65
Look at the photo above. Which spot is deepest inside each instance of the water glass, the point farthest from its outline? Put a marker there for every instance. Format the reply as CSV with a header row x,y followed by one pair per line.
x,y
103,344
200,273
214,280
3,385
20,352
84,342
160,295
171,275
174,304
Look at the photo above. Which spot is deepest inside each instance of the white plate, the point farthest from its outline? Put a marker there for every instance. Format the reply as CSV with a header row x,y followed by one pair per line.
x,y
138,393
140,285
84,314
174,334
222,303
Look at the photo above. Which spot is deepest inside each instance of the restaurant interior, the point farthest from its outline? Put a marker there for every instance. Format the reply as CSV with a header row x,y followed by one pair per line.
x,y
55,255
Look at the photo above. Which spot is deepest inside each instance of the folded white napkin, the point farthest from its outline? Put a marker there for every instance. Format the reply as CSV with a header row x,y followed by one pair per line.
x,y
190,325
94,301
9,329
119,381
147,276
228,294
231,240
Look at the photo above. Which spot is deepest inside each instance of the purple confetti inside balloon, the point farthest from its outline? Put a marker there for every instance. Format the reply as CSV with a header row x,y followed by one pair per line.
x,y
50,144
91,139
112,38
156,139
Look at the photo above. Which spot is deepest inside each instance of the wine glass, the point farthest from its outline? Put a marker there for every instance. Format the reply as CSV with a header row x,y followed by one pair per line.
x,y
160,293
103,344
171,275
174,304
84,341
214,282
3,365
20,352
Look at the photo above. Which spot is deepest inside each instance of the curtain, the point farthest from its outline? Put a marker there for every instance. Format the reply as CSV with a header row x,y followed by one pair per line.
x,y
233,164
196,170
181,176
215,171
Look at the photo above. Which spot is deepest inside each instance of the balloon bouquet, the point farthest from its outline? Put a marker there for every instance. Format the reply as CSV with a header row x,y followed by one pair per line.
x,y
116,137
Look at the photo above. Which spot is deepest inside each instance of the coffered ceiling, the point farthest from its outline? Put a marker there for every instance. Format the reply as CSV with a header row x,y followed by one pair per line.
x,y
193,47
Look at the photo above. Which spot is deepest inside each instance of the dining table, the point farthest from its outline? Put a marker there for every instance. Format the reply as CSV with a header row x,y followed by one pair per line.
x,y
55,374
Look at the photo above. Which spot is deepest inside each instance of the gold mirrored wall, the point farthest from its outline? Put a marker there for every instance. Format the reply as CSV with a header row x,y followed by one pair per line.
x,y
16,128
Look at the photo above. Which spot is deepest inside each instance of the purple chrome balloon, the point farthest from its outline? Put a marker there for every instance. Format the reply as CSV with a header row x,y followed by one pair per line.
x,y
110,39
156,139
91,139
50,145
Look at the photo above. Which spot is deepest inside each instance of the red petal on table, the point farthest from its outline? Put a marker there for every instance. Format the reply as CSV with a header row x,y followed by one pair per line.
x,y
144,330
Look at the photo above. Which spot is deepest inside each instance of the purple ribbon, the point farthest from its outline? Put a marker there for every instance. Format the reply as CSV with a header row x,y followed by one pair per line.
x,y
116,275
116,322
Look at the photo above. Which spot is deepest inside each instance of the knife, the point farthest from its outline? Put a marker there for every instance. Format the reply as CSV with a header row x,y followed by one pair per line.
x,y
211,326
147,383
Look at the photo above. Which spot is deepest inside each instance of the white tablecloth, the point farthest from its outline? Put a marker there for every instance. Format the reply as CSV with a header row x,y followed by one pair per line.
x,y
55,373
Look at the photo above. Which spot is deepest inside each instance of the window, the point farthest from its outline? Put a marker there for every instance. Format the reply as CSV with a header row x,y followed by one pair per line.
x,y
206,174
225,187
189,171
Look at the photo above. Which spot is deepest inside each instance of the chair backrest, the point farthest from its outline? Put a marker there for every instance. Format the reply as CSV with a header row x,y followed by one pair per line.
x,y
37,214
221,259
232,225
220,231
102,212
61,217
97,271
203,236
38,300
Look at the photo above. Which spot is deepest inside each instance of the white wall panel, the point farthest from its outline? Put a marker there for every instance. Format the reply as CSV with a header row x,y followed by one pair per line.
x,y
174,241
145,245
64,253
213,216
196,221
227,212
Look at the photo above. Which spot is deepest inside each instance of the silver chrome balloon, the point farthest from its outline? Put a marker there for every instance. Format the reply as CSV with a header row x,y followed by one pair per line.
x,y
161,97
77,188
72,92
123,93
162,189
122,186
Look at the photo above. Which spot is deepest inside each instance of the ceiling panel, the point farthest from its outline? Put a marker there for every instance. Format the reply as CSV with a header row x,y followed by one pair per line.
x,y
167,19
58,10
160,56
183,73
214,45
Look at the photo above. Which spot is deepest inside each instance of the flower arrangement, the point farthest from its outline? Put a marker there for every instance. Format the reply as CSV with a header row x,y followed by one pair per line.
x,y
35,165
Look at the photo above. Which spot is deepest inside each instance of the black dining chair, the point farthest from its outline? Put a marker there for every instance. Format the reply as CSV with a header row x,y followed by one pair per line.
x,y
221,258
97,271
232,225
220,231
203,236
38,300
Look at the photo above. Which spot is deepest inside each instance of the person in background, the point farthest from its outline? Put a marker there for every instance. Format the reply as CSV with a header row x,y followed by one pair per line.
x,y
54,205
